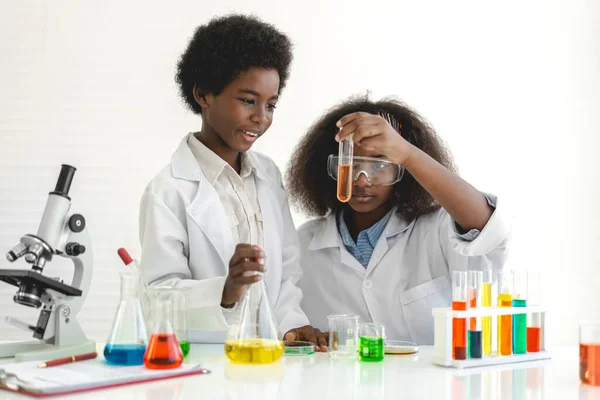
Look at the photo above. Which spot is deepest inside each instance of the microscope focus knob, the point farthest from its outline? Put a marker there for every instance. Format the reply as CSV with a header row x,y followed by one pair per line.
x,y
76,223
74,249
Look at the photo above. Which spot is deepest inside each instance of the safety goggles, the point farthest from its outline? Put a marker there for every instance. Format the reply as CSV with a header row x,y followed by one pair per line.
x,y
376,170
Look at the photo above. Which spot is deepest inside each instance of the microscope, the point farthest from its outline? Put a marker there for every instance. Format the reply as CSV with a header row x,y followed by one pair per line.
x,y
59,234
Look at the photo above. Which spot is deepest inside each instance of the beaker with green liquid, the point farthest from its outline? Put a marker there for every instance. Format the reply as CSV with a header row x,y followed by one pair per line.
x,y
370,342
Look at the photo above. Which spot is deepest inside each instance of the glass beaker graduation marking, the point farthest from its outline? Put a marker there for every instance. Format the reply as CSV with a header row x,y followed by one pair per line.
x,y
370,346
343,335
163,351
128,337
254,338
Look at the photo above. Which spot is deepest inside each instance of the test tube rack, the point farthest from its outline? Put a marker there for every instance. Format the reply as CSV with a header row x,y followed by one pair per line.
x,y
443,336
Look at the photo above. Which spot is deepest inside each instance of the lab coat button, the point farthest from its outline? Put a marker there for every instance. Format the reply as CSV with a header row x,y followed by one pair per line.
x,y
368,284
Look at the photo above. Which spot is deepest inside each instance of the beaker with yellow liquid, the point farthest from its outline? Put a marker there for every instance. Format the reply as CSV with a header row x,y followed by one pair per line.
x,y
254,338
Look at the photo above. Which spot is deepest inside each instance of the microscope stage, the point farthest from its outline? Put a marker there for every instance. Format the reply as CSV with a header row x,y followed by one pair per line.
x,y
16,277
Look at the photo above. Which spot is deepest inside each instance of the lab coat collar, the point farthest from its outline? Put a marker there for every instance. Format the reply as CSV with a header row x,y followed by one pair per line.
x,y
329,236
326,237
397,224
185,166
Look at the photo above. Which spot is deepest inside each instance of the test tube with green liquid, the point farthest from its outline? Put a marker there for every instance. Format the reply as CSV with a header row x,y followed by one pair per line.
x,y
519,321
475,279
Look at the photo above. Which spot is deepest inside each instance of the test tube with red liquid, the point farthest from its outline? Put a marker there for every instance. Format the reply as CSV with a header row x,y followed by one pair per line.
x,y
459,325
534,320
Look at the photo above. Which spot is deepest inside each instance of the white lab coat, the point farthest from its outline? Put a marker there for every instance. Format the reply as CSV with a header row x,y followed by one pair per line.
x,y
409,272
187,243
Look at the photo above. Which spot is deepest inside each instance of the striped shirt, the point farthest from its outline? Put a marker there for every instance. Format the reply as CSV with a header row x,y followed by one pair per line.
x,y
367,239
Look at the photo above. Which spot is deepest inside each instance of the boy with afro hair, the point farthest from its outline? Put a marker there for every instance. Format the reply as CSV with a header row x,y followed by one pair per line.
x,y
217,215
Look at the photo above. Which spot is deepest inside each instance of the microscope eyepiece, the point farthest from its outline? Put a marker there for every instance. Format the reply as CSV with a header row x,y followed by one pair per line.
x,y
63,184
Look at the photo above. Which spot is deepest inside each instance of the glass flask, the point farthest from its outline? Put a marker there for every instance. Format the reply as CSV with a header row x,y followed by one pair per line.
x,y
254,338
163,351
128,337
134,268
177,312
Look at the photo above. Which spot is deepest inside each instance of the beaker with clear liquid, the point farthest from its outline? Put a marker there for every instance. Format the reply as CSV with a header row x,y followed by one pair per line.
x,y
254,338
128,337
164,351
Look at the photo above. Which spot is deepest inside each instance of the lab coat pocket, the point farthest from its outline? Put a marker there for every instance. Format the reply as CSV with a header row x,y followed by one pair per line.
x,y
417,304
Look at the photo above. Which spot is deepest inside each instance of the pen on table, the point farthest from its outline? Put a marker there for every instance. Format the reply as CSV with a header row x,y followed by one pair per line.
x,y
66,360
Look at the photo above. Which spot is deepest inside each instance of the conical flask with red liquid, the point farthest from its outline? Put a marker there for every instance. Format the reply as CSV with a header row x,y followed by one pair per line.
x,y
254,338
163,351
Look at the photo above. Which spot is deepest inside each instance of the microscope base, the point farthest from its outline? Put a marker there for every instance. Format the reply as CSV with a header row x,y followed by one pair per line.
x,y
38,350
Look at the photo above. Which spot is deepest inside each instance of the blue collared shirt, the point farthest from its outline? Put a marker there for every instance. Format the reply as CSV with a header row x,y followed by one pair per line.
x,y
367,239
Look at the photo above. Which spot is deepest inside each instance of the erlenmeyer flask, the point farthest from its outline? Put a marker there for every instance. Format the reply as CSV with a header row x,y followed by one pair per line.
x,y
177,313
128,337
254,337
163,350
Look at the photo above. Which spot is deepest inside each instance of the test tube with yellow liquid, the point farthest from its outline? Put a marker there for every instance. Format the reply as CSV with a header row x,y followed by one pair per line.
x,y
486,289
505,293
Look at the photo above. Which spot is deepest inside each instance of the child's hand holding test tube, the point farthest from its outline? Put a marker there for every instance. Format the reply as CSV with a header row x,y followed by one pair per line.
x,y
375,132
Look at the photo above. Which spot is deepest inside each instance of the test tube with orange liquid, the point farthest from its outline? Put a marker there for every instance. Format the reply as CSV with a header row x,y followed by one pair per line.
x,y
505,293
589,352
344,175
459,325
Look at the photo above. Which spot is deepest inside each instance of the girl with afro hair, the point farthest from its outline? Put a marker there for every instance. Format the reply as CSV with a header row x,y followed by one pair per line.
x,y
387,254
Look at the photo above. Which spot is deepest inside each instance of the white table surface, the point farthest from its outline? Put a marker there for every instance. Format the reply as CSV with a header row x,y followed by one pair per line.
x,y
397,377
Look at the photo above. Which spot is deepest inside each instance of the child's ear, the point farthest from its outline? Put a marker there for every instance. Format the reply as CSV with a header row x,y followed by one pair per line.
x,y
201,98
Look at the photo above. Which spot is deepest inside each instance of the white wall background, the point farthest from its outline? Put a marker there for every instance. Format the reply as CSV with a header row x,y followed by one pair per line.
x,y
513,88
